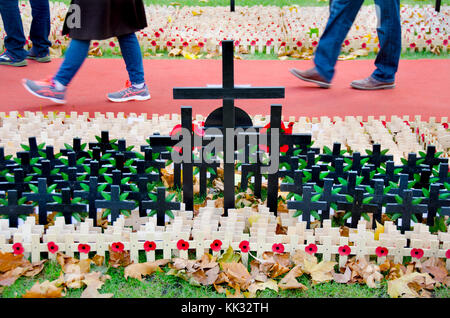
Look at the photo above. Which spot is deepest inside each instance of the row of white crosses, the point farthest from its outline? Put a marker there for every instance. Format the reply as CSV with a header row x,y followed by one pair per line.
x,y
56,129
261,238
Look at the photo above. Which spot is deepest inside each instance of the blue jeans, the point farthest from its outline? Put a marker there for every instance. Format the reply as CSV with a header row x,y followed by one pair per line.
x,y
78,51
39,32
342,16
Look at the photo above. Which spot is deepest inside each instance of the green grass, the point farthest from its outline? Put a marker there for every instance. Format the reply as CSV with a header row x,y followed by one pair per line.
x,y
279,3
159,285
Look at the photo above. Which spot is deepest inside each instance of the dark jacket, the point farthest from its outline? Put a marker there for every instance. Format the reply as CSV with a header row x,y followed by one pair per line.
x,y
102,19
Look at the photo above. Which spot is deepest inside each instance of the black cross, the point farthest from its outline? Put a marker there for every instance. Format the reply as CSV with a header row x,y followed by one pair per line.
x,y
203,169
350,187
13,210
297,186
228,93
161,206
306,205
115,205
380,199
46,170
67,208
411,167
72,183
232,5
434,203
357,207
91,195
104,143
443,175
76,147
403,186
336,153
430,159
377,158
50,155
407,208
292,162
34,149
329,197
141,195
140,173
188,177
389,174
19,183
42,197
338,170
3,162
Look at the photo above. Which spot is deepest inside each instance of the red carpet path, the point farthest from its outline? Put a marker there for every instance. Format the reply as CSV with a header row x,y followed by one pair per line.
x,y
423,88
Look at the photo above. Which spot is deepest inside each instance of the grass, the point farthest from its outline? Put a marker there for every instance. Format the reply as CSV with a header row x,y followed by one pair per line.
x,y
159,285
278,3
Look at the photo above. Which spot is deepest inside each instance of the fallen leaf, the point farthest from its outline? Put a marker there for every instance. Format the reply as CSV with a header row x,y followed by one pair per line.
x,y
9,261
270,284
343,278
400,287
290,280
119,259
142,269
436,268
46,289
98,260
237,274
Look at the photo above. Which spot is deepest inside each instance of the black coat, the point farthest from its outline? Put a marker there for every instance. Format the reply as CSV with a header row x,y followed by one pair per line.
x,y
102,19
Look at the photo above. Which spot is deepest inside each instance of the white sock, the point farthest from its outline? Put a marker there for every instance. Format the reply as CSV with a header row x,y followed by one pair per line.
x,y
139,86
59,86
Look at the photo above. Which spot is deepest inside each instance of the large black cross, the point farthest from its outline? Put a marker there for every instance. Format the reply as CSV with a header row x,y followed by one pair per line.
x,y
228,93
42,197
13,210
330,195
91,195
434,203
115,205
161,206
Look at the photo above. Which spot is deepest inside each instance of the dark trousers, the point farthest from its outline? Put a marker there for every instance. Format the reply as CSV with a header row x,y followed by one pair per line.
x,y
40,28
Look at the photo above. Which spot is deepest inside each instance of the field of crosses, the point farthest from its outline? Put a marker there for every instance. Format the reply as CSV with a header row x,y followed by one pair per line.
x,y
107,175
196,31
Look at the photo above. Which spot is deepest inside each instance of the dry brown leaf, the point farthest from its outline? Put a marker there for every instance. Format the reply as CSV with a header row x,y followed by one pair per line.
x,y
9,278
98,260
290,280
119,259
237,292
362,271
408,285
9,261
256,273
46,289
237,274
436,268
34,268
270,284
143,269
343,278
320,272
94,282
208,277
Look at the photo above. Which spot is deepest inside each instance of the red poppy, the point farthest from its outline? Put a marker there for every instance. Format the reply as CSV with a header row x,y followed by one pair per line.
x,y
182,245
412,45
244,246
201,44
447,254
347,42
299,43
185,44
315,43
153,43
278,248
344,250
18,248
381,251
445,42
52,247
149,246
268,43
311,249
384,123
84,248
157,34
364,45
117,247
216,245
417,253
169,43
445,125
112,44
253,43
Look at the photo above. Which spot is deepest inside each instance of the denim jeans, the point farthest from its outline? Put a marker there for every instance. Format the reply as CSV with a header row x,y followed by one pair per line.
x,y
78,51
342,16
39,31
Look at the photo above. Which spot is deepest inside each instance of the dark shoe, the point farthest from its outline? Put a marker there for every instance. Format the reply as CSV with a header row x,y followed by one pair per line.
x,y
40,59
6,59
312,76
130,93
45,89
370,84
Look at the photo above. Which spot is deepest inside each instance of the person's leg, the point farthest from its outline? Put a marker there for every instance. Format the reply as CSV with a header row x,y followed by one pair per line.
x,y
342,16
15,38
55,89
132,56
75,55
390,38
131,52
40,27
